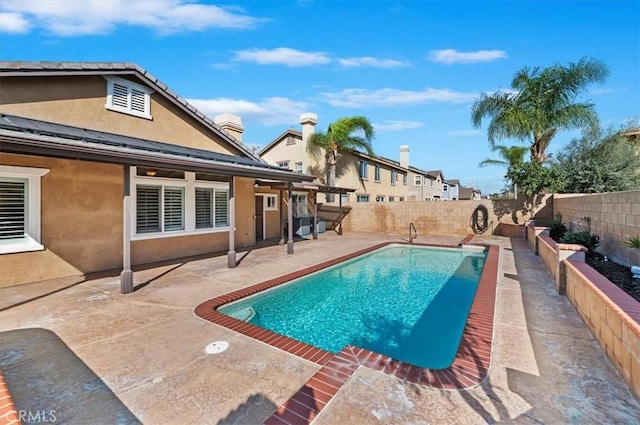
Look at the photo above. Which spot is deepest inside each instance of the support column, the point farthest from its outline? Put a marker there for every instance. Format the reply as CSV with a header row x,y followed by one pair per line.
x,y
281,214
126,276
231,256
315,215
340,216
290,218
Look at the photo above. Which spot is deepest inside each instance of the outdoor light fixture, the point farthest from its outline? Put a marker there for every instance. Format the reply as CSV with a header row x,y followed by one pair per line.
x,y
151,173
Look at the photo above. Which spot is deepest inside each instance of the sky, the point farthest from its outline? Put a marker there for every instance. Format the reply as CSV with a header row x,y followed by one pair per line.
x,y
413,68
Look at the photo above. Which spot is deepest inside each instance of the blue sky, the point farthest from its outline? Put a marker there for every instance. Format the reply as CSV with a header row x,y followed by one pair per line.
x,y
412,67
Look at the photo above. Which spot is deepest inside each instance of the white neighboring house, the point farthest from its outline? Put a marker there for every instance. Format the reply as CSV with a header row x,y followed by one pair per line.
x,y
451,190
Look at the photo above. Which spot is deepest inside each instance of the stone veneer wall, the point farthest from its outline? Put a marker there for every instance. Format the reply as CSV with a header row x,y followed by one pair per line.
x,y
615,217
611,315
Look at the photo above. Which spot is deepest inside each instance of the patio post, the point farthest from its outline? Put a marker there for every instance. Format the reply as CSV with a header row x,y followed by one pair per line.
x,y
281,213
231,256
315,215
290,218
340,216
126,276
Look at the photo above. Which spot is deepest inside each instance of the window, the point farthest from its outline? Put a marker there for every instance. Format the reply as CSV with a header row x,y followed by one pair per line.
x,y
299,167
283,164
270,203
417,180
128,97
363,198
392,198
377,173
404,179
431,183
290,140
171,202
402,199
20,208
444,188
344,198
363,171
379,198
394,177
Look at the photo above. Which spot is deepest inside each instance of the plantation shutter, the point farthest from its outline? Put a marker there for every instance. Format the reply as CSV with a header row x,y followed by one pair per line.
x,y
173,208
12,209
120,96
221,208
147,209
204,208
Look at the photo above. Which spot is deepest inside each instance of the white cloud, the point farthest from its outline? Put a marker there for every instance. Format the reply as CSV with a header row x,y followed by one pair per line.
x,y
13,23
72,18
464,133
282,56
451,56
391,125
270,111
368,61
360,98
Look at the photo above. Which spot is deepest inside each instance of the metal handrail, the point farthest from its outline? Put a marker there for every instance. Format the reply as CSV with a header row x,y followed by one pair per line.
x,y
411,226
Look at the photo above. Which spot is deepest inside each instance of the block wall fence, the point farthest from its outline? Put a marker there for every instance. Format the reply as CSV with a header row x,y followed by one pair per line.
x,y
612,315
442,217
615,217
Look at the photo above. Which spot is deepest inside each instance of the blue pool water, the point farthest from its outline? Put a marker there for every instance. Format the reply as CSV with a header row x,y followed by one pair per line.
x,y
409,303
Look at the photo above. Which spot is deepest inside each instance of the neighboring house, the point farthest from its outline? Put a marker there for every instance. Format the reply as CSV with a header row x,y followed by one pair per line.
x,y
103,167
374,179
433,190
450,190
468,193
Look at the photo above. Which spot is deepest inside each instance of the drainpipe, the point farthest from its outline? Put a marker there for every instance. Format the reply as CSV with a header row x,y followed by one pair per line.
x,y
126,277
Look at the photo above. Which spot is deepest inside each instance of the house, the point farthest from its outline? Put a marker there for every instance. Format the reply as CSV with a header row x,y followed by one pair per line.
x,y
374,179
469,193
450,190
103,167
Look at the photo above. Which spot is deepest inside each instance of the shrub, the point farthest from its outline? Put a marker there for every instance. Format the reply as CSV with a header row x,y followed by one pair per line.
x,y
586,239
557,230
633,242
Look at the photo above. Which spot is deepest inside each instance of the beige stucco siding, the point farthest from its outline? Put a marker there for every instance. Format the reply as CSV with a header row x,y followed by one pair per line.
x,y
80,101
81,224
81,221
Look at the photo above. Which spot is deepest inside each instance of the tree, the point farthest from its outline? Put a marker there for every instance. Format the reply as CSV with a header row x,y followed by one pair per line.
x,y
600,161
343,136
512,157
541,103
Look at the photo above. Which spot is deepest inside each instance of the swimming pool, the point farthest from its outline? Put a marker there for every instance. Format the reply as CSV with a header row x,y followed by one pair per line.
x,y
406,302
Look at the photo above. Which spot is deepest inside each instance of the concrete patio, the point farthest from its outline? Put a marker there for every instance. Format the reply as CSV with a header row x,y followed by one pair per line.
x,y
147,351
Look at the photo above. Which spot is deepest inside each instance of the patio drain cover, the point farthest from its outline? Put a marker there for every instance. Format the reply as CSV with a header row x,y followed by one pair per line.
x,y
216,347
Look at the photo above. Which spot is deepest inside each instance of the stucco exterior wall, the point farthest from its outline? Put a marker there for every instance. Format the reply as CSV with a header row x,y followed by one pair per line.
x,y
434,218
80,101
370,186
289,149
615,217
81,221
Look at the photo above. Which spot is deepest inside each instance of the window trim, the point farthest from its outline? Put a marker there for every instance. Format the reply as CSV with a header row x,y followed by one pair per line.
x,y
130,86
365,197
415,180
285,165
377,173
265,197
189,183
363,169
33,241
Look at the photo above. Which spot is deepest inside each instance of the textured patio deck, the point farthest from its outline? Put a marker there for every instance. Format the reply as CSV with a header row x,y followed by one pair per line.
x,y
148,348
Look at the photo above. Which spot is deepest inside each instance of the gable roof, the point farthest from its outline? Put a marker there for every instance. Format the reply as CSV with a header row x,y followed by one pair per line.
x,y
288,132
22,69
453,182
34,137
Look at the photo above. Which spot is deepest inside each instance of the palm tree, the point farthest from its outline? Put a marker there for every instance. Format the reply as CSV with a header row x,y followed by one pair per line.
x,y
512,157
343,136
542,102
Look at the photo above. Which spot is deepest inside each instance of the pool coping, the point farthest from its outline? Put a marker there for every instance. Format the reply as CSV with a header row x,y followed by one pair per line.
x,y
469,368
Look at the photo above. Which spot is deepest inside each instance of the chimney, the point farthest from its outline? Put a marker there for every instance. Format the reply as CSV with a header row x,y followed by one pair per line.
x,y
308,122
230,123
404,156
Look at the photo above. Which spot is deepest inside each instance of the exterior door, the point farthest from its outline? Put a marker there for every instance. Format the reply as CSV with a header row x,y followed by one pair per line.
x,y
259,218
